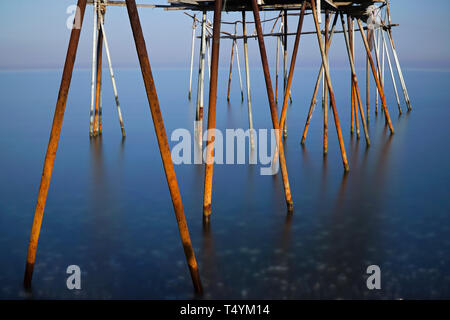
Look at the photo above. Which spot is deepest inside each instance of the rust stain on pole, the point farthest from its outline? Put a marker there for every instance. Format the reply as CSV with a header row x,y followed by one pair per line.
x,y
212,110
377,80
53,142
163,143
273,109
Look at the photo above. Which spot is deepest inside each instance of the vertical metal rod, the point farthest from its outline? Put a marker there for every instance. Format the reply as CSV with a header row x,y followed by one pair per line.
x,y
277,63
231,69
273,109
385,49
194,26
208,56
355,81
374,72
239,69
94,55
325,105
162,142
212,111
201,81
292,66
316,88
330,88
53,141
377,52
351,43
98,76
367,90
352,109
397,62
247,79
113,80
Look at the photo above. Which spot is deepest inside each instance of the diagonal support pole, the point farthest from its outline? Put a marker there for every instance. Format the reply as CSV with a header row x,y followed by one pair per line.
x,y
355,82
316,88
273,108
163,143
330,88
53,141
113,79
375,75
292,66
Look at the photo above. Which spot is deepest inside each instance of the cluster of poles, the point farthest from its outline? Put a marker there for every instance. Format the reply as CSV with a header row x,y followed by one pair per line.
x,y
210,40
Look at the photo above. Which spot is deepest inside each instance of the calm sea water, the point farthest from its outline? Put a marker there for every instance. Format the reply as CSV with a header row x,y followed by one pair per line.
x,y
109,209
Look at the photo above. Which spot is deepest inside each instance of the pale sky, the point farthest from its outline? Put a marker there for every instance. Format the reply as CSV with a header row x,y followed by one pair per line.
x,y
34,36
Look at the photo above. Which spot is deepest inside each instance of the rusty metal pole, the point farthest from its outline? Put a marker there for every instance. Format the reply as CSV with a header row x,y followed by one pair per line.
x,y
53,141
98,77
354,80
330,88
212,111
325,104
351,48
374,72
316,88
162,142
231,69
352,109
292,66
273,108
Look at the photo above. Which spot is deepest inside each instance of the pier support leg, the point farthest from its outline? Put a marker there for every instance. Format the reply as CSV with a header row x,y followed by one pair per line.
x,y
247,79
377,80
192,55
201,82
292,66
367,90
397,62
316,88
93,68
113,80
212,111
53,141
162,142
385,49
325,105
355,81
231,69
98,90
273,108
330,88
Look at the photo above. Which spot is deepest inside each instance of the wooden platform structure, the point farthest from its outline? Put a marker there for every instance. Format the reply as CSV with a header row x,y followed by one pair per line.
x,y
374,36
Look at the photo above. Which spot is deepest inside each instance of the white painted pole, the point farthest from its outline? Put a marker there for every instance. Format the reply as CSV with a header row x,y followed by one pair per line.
x,y
94,50
201,81
111,71
400,73
192,55
239,71
247,77
392,73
